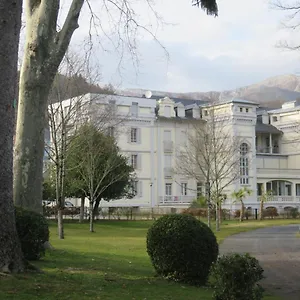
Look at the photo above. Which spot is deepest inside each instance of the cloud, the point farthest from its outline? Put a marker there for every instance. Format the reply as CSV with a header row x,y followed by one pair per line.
x,y
206,53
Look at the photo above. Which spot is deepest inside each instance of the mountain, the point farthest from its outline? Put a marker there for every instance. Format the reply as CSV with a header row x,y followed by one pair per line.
x,y
271,92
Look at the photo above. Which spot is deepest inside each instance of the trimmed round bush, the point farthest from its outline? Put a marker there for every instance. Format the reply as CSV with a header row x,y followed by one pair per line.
x,y
33,232
235,277
182,248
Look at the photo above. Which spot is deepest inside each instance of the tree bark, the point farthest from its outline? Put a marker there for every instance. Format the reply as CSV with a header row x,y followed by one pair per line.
x,y
81,215
44,51
60,226
261,213
242,211
11,258
91,217
217,217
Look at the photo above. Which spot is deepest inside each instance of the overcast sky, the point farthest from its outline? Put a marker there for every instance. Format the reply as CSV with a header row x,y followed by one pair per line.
x,y
205,53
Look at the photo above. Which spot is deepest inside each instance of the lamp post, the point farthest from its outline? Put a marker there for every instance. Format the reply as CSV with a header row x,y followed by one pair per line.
x,y
151,199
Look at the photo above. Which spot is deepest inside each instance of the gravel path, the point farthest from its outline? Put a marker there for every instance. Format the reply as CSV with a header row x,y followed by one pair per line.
x,y
278,250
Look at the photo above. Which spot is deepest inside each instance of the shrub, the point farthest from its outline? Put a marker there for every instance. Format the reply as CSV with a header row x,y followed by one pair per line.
x,y
236,277
182,248
270,212
33,232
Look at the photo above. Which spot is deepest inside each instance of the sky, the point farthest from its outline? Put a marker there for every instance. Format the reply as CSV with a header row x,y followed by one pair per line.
x,y
193,51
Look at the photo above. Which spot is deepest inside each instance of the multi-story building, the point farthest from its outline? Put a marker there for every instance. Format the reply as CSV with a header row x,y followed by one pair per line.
x,y
151,131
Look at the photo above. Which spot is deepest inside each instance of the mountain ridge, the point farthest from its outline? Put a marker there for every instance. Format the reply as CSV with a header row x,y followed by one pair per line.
x,y
271,92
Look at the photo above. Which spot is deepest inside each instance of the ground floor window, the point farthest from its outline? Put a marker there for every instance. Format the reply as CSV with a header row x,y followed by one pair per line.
x,y
168,189
184,189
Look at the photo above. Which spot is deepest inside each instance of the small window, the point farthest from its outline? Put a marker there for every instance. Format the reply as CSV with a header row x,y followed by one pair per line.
x,y
206,113
133,135
134,109
259,189
241,109
297,189
199,189
184,189
168,190
247,110
134,161
275,119
135,187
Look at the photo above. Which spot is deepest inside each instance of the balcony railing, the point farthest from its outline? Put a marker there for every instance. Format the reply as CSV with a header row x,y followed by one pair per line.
x,y
174,200
168,146
282,199
267,150
168,172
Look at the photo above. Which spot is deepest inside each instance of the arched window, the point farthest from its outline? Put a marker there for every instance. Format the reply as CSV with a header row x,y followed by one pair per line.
x,y
244,164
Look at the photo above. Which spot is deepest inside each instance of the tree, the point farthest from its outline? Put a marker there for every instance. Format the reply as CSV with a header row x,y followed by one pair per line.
x,y
94,164
46,45
64,118
212,155
263,198
239,197
11,258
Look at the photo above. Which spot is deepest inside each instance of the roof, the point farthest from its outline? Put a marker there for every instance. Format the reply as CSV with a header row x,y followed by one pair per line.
x,y
232,100
266,128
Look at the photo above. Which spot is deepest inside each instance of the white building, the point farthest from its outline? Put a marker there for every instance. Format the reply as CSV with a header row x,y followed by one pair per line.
x,y
151,130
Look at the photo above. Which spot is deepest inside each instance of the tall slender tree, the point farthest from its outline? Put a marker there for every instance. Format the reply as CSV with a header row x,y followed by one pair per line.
x,y
45,47
11,259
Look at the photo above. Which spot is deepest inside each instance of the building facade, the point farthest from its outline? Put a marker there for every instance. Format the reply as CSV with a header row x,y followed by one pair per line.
x,y
151,131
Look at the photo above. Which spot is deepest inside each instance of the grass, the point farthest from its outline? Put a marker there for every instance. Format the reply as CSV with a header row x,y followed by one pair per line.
x,y
111,263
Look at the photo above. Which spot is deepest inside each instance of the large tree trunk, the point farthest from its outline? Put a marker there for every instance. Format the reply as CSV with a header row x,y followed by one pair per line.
x,y
44,50
11,258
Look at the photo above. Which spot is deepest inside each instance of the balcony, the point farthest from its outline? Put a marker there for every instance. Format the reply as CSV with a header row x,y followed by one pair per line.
x,y
267,150
276,199
168,172
168,146
176,200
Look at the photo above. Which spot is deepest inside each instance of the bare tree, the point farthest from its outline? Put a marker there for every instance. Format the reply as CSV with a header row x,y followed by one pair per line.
x,y
291,22
11,258
45,47
66,116
211,156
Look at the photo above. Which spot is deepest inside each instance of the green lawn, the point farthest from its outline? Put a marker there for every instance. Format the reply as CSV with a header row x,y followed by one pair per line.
x,y
111,263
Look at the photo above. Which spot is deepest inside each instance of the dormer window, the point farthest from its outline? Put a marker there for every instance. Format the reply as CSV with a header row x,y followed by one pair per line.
x,y
167,111
247,110
275,119
134,109
241,109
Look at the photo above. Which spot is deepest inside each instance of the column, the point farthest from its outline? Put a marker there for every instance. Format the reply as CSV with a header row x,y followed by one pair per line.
x,y
271,144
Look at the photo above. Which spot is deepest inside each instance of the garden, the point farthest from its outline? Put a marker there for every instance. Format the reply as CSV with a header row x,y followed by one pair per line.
x,y
111,263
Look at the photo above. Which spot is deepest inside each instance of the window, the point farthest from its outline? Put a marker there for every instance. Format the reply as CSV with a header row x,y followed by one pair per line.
x,y
134,109
247,110
168,189
297,189
241,109
199,189
244,164
111,131
206,113
168,111
259,189
275,119
184,189
134,135
134,161
135,187
280,188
